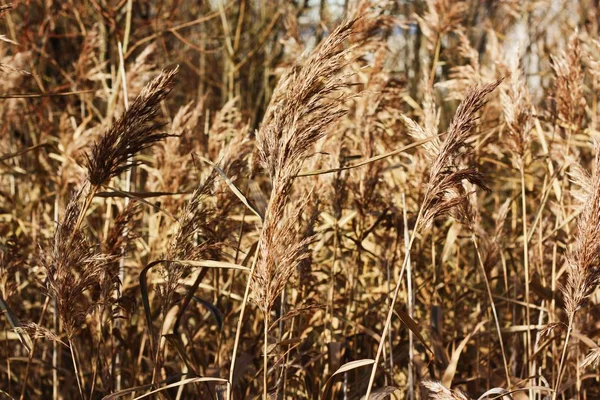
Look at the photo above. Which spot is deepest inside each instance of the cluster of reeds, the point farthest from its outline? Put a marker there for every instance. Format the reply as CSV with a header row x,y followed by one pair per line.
x,y
288,200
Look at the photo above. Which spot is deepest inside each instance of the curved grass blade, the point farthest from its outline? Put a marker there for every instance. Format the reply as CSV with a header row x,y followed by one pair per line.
x,y
210,264
346,367
181,383
138,195
386,392
234,188
15,324
214,311
140,199
414,327
146,301
175,341
38,95
453,365
23,151
369,160
191,263
188,298
4,394
130,390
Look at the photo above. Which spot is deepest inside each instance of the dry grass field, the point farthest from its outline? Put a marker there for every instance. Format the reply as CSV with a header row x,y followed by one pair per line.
x,y
299,199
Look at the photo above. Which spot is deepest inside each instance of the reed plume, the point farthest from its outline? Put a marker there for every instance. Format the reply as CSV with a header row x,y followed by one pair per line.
x,y
293,181
119,237
517,110
131,133
568,96
583,259
73,269
445,192
306,103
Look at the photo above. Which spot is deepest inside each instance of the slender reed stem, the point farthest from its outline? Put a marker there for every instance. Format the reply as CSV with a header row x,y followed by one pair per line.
x,y
388,320
411,350
79,383
95,359
436,57
389,289
159,350
87,202
30,358
280,338
563,357
238,331
128,176
526,265
55,325
493,307
329,319
266,356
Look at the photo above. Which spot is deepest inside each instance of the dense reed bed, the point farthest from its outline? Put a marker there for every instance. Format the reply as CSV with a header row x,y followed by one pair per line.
x,y
299,199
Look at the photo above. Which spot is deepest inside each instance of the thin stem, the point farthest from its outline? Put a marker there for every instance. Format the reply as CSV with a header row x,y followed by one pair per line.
x,y
55,323
436,56
493,307
411,350
279,381
128,176
79,384
526,264
563,357
56,326
287,359
388,320
265,355
159,351
239,327
87,202
95,359
329,318
390,341
30,358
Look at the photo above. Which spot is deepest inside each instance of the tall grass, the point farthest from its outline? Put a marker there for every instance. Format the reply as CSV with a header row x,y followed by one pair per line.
x,y
288,200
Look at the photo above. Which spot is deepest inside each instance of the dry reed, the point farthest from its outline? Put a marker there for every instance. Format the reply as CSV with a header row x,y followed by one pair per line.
x,y
302,159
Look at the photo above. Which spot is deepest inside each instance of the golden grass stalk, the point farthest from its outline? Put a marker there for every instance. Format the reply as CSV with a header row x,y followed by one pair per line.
x,y
445,192
300,112
583,259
